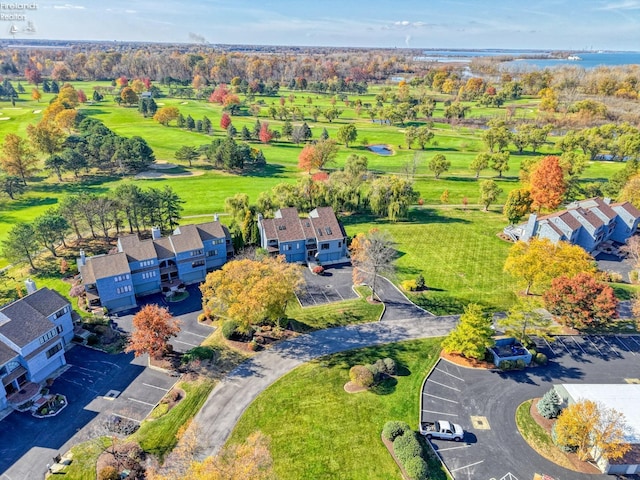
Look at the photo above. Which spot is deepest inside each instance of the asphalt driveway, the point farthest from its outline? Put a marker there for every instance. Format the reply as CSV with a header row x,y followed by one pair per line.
x,y
334,285
484,404
27,444
192,333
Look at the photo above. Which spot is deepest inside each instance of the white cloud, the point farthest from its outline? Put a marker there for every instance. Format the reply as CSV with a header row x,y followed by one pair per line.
x,y
68,6
624,5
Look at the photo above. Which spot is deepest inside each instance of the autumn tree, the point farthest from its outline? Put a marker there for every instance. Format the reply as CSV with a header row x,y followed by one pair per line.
x,y
518,205
306,158
324,152
439,164
153,327
347,133
523,320
46,136
537,262
166,115
265,135
17,158
372,254
129,96
588,426
36,95
225,121
251,291
20,244
547,184
631,191
489,193
479,163
473,334
581,301
632,249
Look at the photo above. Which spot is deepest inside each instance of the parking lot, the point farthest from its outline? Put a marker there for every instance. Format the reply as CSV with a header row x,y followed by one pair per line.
x,y
334,285
27,444
484,404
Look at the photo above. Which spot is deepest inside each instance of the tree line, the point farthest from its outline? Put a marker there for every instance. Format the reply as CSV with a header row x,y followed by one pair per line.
x,y
128,208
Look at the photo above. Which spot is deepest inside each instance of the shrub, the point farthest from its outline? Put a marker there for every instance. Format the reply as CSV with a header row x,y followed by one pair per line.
x,y
634,276
520,364
407,446
507,365
409,285
390,366
230,329
394,429
541,359
93,339
318,269
361,376
203,317
108,473
198,353
416,468
532,351
554,438
420,284
549,404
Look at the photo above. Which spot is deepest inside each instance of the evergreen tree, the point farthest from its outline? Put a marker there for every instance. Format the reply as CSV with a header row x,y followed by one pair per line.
x,y
549,404
190,123
206,125
245,134
325,134
181,122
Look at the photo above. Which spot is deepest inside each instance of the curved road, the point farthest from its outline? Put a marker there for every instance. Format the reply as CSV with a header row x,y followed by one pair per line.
x,y
231,397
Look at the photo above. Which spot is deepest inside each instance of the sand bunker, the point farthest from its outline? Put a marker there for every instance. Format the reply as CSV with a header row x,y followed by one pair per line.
x,y
162,166
37,111
149,174
5,118
184,103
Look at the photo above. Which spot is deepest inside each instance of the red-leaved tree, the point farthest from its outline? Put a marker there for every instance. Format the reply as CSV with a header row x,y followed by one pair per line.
x,y
82,97
219,94
320,177
225,121
265,134
33,76
547,183
581,301
306,159
153,326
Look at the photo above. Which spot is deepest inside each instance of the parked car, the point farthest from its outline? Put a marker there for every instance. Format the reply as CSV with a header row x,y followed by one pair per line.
x,y
442,429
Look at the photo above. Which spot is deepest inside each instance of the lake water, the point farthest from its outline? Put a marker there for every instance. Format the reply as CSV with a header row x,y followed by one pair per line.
x,y
588,59
383,150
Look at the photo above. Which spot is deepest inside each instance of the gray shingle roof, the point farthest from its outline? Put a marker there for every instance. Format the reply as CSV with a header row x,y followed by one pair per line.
x,y
186,239
136,249
6,354
163,248
210,231
104,266
287,225
46,301
325,221
25,323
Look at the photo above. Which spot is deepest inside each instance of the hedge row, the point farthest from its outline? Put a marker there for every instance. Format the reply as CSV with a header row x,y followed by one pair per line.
x,y
407,449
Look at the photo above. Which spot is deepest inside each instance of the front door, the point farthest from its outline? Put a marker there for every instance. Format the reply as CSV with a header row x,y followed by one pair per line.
x,y
11,388
22,379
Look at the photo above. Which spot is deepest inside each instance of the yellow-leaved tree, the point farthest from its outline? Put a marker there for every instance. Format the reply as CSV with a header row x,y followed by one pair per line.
x,y
537,262
250,291
592,428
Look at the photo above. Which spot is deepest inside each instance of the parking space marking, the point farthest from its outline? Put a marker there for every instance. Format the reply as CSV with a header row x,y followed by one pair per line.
x,y
548,345
154,386
594,346
466,466
609,345
440,398
558,339
185,343
196,334
453,448
450,374
441,413
443,385
87,369
140,401
624,346
128,418
579,346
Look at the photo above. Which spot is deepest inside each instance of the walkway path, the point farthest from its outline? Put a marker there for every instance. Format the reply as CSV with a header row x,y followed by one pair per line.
x,y
397,305
231,397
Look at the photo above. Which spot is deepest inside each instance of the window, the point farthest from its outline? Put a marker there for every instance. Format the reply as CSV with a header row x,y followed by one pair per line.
x,y
53,350
197,263
319,232
60,313
146,263
339,244
125,289
212,253
9,367
195,253
324,246
286,248
298,246
328,230
146,275
282,227
217,241
122,278
48,336
59,329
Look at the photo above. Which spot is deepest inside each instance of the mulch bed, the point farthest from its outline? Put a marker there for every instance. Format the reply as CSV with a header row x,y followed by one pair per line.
x,y
389,446
170,361
466,362
546,423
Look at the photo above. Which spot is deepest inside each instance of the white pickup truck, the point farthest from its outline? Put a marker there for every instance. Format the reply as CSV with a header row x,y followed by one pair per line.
x,y
442,429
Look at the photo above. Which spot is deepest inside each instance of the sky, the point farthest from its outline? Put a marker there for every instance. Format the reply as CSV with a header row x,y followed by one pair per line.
x,y
505,24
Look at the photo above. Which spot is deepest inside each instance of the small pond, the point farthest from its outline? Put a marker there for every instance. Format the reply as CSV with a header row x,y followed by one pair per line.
x,y
380,149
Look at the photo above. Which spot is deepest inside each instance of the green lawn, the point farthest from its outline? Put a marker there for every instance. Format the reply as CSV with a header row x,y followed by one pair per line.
x,y
85,456
335,314
158,436
457,251
319,431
